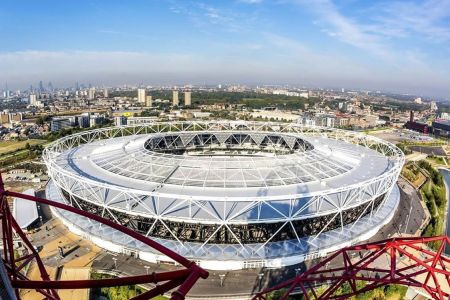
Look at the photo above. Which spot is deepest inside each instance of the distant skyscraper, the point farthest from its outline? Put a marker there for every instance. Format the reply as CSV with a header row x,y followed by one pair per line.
x,y
141,96
187,98
105,93
433,106
175,100
41,86
148,101
33,99
91,94
50,86
77,86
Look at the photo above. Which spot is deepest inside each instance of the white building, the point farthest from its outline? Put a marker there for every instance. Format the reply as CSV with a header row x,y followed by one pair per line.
x,y
175,100
149,101
304,95
325,120
274,115
308,120
33,99
187,98
91,94
120,121
141,95
433,106
445,116
140,120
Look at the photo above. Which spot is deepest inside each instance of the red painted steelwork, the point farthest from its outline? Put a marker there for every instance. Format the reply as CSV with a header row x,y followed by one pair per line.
x,y
358,269
183,279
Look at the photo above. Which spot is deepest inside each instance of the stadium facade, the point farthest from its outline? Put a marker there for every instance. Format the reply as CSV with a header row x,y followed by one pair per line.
x,y
227,194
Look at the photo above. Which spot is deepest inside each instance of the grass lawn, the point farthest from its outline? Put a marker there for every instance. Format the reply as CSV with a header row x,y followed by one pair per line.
x,y
11,146
438,161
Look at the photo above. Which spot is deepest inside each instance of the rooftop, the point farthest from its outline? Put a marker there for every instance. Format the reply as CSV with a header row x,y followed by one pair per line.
x,y
25,211
227,172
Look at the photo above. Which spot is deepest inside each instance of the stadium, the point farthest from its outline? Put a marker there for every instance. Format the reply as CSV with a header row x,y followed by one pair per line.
x,y
226,194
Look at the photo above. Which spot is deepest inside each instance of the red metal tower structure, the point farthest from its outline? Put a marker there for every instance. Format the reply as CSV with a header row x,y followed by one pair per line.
x,y
358,269
183,279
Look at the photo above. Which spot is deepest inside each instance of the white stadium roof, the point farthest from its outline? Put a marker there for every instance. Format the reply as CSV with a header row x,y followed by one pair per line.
x,y
229,190
125,162
24,211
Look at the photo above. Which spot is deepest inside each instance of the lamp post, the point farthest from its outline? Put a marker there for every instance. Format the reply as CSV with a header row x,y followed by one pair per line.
x,y
222,278
115,263
260,277
407,221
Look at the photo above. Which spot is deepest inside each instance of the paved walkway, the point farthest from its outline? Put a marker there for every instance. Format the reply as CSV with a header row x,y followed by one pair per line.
x,y
68,273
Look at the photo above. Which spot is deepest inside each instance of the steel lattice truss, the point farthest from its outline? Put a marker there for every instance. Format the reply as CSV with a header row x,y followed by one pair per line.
x,y
169,214
403,261
180,280
209,134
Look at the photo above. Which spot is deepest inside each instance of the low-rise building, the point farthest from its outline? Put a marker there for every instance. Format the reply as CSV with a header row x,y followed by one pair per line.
x,y
57,124
120,121
141,120
441,127
417,126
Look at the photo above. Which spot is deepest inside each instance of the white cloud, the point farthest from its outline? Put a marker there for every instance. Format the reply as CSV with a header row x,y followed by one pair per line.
x,y
427,19
338,26
251,1
205,15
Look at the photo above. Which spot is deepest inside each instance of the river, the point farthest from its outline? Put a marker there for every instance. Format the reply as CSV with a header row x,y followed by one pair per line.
x,y
446,174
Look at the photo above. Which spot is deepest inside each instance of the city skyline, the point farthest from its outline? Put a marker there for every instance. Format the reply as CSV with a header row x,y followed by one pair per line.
x,y
389,46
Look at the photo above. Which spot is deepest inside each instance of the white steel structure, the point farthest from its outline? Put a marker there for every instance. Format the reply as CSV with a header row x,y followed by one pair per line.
x,y
249,194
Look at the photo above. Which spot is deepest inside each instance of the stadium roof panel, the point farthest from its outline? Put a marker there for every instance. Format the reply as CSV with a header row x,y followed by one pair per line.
x,y
24,211
125,162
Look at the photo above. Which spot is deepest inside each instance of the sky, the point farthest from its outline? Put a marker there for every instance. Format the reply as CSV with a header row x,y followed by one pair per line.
x,y
399,46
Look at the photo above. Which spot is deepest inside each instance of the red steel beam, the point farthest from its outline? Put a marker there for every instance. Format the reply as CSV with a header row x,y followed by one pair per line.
x,y
429,263
184,278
